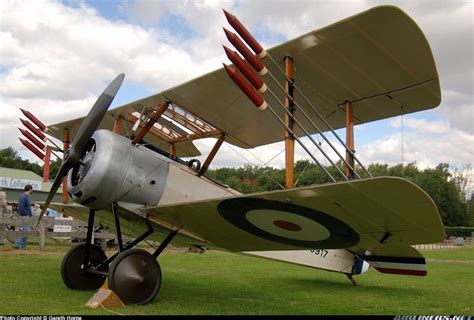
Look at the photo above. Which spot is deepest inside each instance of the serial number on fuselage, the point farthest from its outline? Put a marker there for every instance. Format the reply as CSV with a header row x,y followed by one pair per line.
x,y
320,252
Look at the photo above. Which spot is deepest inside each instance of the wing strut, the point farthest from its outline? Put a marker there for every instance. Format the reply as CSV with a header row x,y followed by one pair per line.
x,y
159,111
290,122
211,155
350,140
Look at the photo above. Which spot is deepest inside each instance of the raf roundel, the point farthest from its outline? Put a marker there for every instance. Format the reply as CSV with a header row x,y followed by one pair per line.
x,y
288,223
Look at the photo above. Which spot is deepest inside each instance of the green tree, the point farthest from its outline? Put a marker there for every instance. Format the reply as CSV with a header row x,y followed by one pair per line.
x,y
9,158
470,211
436,182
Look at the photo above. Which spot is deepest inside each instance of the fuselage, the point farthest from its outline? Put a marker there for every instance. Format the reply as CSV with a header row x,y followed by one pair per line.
x,y
113,170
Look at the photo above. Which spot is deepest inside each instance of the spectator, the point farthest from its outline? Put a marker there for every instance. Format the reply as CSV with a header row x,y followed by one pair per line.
x,y
24,210
52,213
3,202
36,209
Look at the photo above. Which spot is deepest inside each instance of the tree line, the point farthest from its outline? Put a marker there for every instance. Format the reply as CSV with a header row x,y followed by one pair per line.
x,y
448,188
10,158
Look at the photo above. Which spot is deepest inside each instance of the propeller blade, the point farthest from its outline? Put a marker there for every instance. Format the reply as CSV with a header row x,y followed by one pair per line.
x,y
63,170
92,120
83,135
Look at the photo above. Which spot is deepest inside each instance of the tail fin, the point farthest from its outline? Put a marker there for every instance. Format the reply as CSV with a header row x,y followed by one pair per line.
x,y
397,260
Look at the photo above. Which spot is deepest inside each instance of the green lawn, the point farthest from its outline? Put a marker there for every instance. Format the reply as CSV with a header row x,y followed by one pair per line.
x,y
224,283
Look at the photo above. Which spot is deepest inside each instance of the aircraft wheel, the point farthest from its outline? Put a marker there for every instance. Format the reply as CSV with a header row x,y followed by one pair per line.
x,y
72,268
135,276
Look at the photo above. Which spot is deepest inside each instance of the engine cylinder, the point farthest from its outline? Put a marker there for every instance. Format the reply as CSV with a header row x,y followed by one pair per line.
x,y
114,170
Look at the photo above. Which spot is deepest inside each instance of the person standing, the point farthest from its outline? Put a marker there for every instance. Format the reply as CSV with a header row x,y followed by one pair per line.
x,y
3,202
3,206
24,210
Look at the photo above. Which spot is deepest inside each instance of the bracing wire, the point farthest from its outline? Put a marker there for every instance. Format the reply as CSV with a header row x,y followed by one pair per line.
x,y
351,152
257,166
307,165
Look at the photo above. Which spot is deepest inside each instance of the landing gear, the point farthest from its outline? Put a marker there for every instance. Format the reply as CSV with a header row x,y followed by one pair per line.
x,y
73,269
80,260
135,276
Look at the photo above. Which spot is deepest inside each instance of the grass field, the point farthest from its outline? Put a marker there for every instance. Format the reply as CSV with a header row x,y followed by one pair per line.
x,y
224,283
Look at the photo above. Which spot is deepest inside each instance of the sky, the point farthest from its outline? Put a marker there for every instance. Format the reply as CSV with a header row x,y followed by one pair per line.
x,y
57,56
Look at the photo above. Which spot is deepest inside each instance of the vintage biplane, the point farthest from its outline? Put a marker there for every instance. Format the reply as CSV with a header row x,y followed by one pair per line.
x,y
127,164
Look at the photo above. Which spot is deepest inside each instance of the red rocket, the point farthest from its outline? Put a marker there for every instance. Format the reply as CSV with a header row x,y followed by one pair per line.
x,y
33,139
245,34
246,70
32,128
35,120
248,55
246,87
32,148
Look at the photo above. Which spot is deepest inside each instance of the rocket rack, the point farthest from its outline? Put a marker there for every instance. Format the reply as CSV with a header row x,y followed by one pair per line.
x,y
247,74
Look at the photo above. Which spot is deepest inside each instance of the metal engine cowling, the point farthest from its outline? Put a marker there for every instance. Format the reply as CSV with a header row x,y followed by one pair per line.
x,y
113,170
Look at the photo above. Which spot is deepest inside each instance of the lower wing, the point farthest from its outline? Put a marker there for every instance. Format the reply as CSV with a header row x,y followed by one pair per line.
x,y
359,216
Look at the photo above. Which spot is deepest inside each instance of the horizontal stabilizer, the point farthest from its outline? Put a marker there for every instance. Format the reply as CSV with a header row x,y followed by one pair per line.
x,y
412,263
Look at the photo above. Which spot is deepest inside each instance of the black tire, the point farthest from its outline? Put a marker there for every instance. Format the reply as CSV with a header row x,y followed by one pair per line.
x,y
71,268
194,161
135,276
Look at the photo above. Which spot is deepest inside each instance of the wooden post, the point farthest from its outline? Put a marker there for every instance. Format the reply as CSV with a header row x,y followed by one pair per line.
x,y
118,125
42,235
66,144
289,139
211,155
172,150
349,138
47,163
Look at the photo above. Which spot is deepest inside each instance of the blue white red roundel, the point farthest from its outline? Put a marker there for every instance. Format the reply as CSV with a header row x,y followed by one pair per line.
x,y
288,223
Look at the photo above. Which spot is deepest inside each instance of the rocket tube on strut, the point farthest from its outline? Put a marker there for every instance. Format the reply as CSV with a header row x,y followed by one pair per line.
x,y
32,148
246,87
248,55
38,133
35,120
246,70
32,138
245,34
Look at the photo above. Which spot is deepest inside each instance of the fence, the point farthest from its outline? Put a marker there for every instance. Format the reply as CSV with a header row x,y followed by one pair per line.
x,y
446,244
49,228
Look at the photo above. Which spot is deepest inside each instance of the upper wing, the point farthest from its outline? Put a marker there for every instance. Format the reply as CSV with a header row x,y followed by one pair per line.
x,y
379,59
360,215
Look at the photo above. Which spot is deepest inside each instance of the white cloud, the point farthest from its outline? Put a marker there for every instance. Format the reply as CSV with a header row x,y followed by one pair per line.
x,y
454,147
422,125
55,59
65,53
